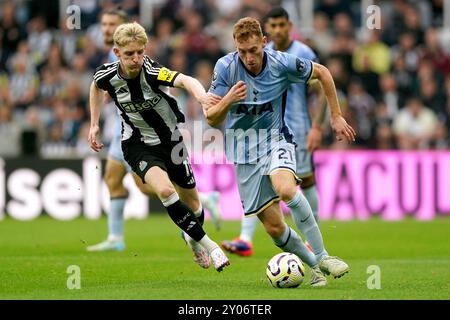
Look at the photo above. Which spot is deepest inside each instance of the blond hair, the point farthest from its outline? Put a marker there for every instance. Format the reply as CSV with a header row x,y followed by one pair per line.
x,y
246,28
130,32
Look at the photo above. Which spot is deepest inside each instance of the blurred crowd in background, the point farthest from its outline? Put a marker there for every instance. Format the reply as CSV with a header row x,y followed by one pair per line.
x,y
393,83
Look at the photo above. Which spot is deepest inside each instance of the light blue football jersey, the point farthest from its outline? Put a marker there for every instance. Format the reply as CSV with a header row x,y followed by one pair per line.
x,y
252,125
297,116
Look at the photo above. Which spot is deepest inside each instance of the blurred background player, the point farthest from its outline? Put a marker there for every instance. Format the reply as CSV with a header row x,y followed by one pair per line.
x,y
116,166
308,136
151,142
262,147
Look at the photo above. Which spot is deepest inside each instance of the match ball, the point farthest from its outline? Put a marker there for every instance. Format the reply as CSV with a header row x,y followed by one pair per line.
x,y
285,270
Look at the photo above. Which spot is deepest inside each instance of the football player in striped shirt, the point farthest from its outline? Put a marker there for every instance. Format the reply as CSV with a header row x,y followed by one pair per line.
x,y
151,143
116,167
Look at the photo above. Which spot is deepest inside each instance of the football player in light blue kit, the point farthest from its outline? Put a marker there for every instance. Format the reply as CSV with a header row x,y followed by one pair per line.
x,y
307,136
116,166
252,83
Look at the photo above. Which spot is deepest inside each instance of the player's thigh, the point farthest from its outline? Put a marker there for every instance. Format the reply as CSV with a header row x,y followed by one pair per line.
x,y
273,220
282,171
159,181
143,187
284,182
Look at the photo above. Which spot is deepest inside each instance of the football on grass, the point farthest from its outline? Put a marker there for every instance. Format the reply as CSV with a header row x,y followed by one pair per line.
x,y
285,270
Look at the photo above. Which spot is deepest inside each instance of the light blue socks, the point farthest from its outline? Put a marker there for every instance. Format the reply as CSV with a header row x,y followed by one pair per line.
x,y
310,194
115,219
306,224
291,242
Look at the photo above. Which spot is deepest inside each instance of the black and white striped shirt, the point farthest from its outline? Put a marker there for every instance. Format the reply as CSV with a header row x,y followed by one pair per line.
x,y
146,108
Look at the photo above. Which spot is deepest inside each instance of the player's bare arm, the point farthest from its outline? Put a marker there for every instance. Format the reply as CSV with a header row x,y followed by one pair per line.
x,y
193,86
314,138
217,108
341,128
95,102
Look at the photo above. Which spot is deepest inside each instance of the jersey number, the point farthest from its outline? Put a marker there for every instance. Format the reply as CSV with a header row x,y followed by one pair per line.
x,y
285,154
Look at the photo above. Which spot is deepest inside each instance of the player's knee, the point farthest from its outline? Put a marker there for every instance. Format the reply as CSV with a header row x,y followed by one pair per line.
x,y
286,192
165,192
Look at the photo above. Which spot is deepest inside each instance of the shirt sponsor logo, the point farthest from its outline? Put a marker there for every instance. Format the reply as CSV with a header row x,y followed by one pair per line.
x,y
254,109
131,106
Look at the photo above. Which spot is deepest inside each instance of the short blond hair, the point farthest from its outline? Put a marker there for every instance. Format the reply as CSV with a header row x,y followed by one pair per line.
x,y
130,32
246,28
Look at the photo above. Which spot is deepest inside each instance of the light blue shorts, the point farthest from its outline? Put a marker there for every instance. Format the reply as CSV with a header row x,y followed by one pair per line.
x,y
305,166
115,147
254,184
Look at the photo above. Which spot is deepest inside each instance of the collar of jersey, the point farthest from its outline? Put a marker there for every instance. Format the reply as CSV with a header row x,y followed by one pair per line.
x,y
262,69
125,79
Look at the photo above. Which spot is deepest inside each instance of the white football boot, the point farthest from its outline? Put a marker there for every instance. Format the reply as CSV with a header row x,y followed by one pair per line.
x,y
333,266
219,259
200,254
317,277
107,245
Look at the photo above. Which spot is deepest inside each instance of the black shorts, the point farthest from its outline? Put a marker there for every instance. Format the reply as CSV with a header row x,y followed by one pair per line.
x,y
142,157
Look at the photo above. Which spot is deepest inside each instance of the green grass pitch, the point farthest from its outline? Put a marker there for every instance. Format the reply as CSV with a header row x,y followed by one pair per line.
x,y
413,257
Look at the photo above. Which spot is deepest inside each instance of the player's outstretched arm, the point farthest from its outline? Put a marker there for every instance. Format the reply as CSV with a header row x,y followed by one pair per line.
x,y
193,86
314,138
341,128
217,108
95,102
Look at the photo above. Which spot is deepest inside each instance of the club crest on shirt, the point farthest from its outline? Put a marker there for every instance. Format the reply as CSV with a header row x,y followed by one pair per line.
x,y
300,65
142,165
146,88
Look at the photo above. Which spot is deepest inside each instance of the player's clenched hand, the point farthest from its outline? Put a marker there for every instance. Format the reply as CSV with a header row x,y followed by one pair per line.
x,y
313,139
92,139
238,92
342,129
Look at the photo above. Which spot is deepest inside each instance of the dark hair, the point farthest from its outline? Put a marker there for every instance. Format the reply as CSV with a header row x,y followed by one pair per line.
x,y
277,12
122,14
